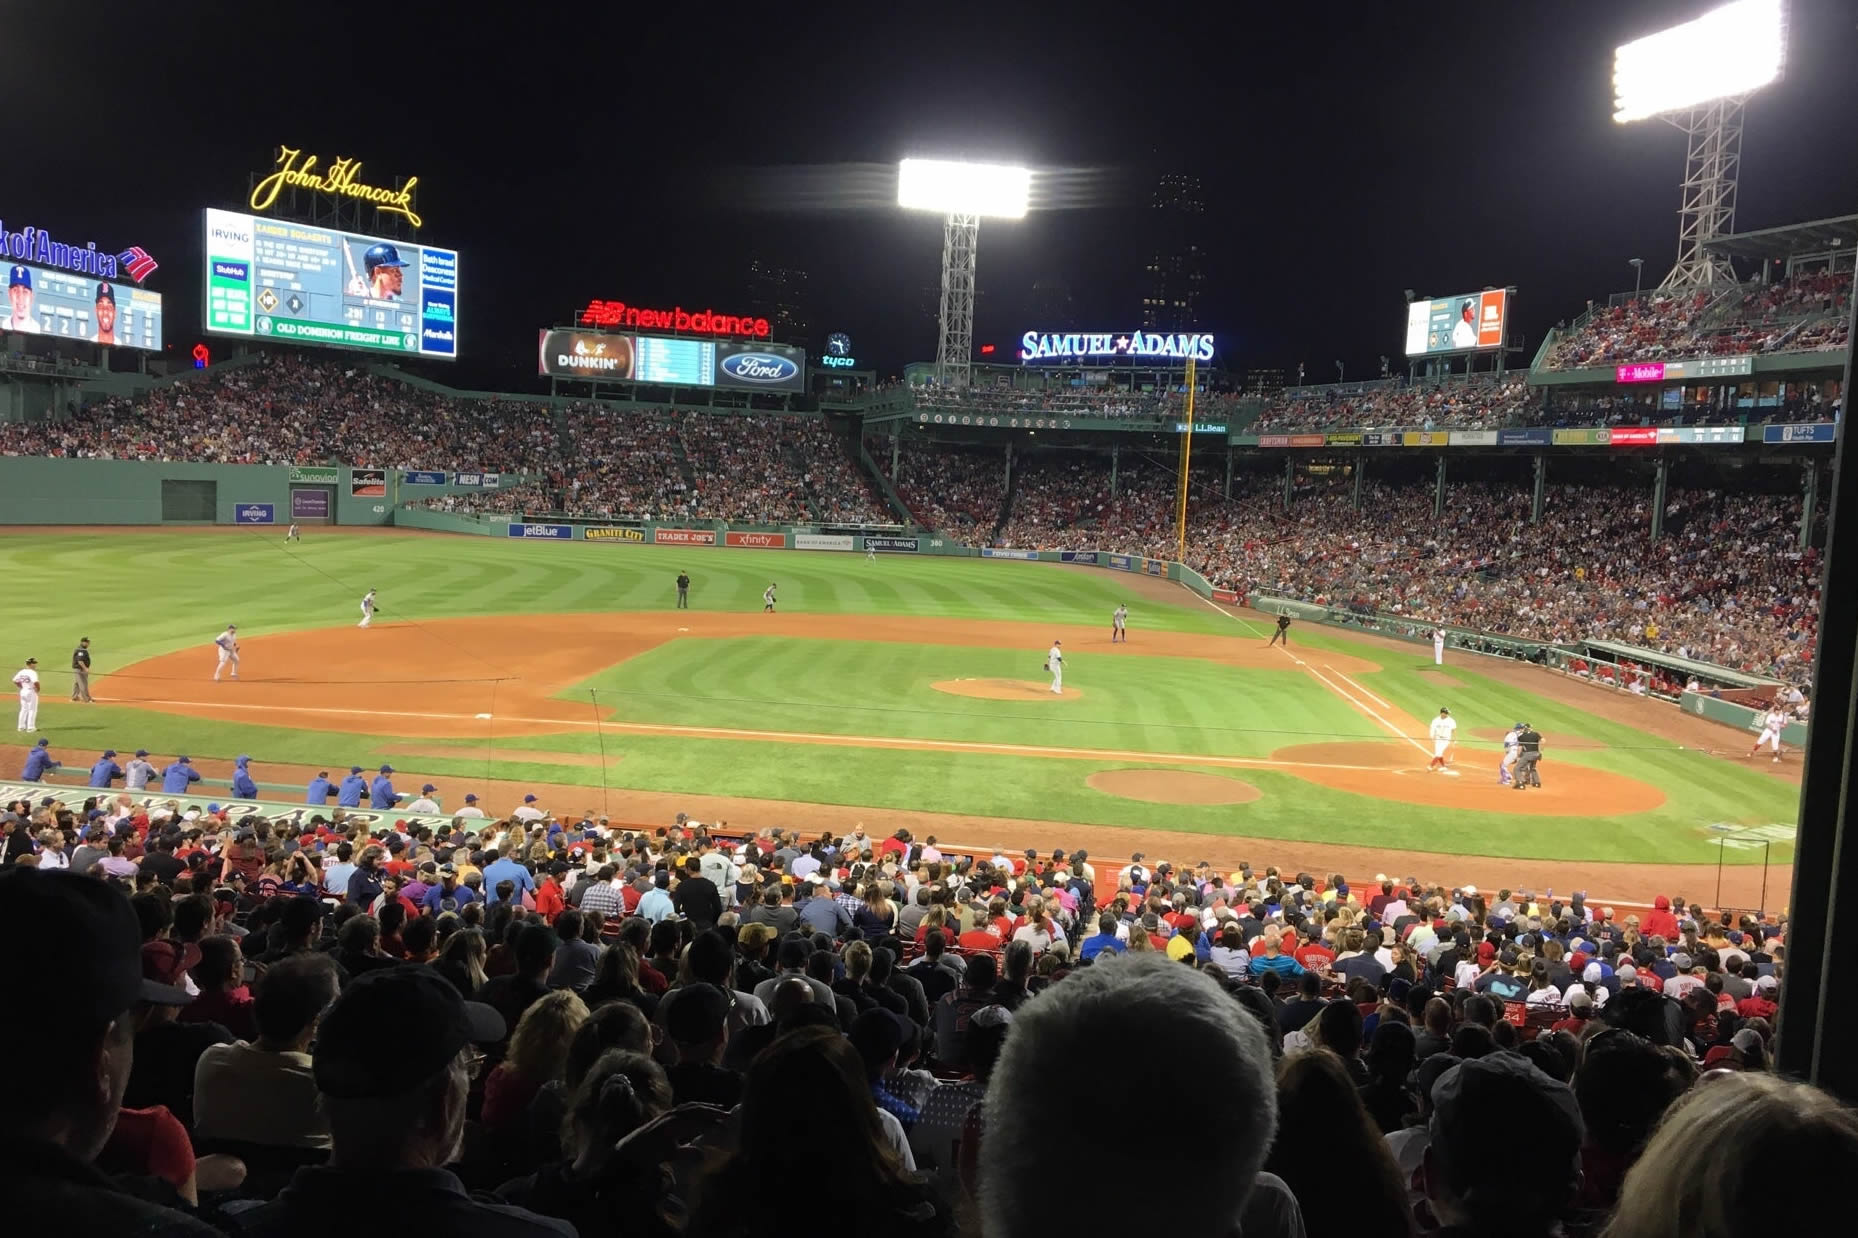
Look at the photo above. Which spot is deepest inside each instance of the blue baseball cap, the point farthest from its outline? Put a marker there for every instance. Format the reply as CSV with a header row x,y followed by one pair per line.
x,y
527,799
387,769
109,752
19,277
141,752
382,255
106,293
470,799
182,760
46,743
354,769
428,787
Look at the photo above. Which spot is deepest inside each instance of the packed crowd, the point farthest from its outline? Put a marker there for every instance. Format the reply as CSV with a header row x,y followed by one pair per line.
x,y
949,488
1082,401
299,411
1395,404
555,1027
1052,493
1803,314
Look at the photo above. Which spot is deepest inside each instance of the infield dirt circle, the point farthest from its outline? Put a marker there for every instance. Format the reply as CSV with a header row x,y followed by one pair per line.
x,y
1171,786
1004,690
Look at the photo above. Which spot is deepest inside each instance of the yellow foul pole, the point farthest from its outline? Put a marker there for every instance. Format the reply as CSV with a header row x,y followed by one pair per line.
x,y
1187,448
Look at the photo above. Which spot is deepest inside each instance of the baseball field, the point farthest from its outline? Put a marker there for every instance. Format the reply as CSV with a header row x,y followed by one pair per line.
x,y
910,691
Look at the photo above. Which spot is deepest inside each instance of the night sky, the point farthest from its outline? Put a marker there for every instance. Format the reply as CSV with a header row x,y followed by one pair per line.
x,y
647,153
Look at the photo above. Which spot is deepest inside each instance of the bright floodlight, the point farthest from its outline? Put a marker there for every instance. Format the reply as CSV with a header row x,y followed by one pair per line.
x,y
946,187
1728,51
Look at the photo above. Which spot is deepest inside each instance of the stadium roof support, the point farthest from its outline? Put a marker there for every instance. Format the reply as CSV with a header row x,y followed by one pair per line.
x,y
954,350
963,193
1816,237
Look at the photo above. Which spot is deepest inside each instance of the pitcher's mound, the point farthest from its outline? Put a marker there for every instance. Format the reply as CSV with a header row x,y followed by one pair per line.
x,y
1005,690
1167,786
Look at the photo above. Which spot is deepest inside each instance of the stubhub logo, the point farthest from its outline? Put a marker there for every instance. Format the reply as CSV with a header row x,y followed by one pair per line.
x,y
760,367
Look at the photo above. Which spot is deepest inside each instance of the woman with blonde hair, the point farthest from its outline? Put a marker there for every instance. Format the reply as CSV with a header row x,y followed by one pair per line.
x,y
1735,1154
51,849
537,1050
1139,940
1038,931
461,961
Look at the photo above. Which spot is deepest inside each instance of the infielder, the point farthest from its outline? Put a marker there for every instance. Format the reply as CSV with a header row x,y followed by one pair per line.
x,y
367,609
1054,662
1119,620
1771,732
767,599
1511,740
1444,730
28,683
228,644
1438,646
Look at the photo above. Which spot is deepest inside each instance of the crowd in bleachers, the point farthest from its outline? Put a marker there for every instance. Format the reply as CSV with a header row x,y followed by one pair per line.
x,y
1394,404
299,411
545,1025
1105,400
947,487
1802,314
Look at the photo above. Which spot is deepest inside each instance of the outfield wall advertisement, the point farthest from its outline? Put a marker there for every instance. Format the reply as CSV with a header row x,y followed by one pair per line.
x,y
1459,323
823,541
756,541
684,537
893,545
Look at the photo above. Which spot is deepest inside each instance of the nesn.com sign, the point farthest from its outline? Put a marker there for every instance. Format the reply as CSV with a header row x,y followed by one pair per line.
x,y
558,532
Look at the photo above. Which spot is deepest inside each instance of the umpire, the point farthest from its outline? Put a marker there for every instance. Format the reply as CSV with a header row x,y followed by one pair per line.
x,y
1528,752
80,671
683,590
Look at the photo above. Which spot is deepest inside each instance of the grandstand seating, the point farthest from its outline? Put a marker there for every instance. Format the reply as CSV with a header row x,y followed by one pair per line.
x,y
1804,314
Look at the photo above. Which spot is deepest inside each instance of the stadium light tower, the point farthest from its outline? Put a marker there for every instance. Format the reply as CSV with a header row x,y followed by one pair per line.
x,y
1697,76
963,193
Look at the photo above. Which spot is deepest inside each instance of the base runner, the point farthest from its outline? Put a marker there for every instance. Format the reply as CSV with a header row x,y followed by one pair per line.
x,y
1511,747
228,645
1444,730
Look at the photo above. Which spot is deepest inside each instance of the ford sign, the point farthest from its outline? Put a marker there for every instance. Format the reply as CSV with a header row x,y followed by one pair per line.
x,y
760,368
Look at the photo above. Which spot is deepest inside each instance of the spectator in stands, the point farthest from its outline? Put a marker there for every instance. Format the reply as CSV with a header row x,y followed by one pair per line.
x,y
1472,1183
1322,1130
395,1118
1729,1151
1081,1029
547,1026
167,1051
696,1023
262,1092
80,1042
533,956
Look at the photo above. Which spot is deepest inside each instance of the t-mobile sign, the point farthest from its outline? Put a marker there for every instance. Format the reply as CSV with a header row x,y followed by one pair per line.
x,y
309,505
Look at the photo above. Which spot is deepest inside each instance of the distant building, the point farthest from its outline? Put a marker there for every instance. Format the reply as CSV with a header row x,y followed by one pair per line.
x,y
1174,277
779,294
1051,304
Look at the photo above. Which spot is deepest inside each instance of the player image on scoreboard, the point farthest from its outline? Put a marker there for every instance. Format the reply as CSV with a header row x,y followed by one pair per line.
x,y
379,275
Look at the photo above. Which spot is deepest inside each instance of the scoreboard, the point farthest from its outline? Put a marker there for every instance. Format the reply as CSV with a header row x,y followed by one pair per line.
x,y
311,285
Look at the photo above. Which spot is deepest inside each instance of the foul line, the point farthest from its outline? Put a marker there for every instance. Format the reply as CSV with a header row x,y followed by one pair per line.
x,y
812,737
1357,687
1340,691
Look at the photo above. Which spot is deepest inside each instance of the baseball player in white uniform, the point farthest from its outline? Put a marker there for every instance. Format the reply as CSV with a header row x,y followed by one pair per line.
x,y
294,533
870,551
1770,730
767,599
1510,750
1444,729
1119,621
367,609
1054,662
28,683
1438,646
228,645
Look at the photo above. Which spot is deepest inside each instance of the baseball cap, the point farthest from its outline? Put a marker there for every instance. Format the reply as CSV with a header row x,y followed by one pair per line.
x,y
109,752
528,799
354,769
1504,1089
1580,999
694,1014
414,1007
300,914
1767,984
141,752
876,1034
470,799
382,255
387,769
44,743
19,277
32,661
428,787
79,927
106,293
1681,961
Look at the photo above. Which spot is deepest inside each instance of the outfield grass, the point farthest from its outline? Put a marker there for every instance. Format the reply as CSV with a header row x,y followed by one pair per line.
x,y
141,594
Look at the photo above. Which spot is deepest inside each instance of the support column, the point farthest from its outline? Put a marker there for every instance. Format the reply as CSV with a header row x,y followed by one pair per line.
x,y
1661,482
1438,492
1009,466
1228,470
1116,455
1541,489
896,450
1361,469
1809,502
1290,478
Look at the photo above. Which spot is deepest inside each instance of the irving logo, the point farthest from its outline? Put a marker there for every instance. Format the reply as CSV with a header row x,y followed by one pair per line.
x,y
138,263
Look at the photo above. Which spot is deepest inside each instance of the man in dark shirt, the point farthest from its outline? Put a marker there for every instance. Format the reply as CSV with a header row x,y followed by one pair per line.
x,y
1282,633
509,996
1528,754
396,1119
162,862
937,975
167,1050
683,590
696,1021
1304,1006
80,672
696,898
79,1042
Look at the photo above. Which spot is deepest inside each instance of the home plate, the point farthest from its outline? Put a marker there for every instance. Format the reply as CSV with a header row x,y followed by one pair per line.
x,y
1449,773
483,716
683,629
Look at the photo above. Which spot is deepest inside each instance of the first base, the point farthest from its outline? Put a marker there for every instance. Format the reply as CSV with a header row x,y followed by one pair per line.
x,y
482,716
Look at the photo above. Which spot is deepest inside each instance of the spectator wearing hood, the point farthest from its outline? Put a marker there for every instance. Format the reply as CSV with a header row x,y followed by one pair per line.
x,y
242,785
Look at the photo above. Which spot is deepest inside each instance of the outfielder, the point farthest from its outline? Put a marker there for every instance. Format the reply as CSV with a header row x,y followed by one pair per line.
x,y
228,644
1119,620
1771,732
367,609
28,683
767,599
1054,662
1444,730
870,551
294,533
1511,740
1438,646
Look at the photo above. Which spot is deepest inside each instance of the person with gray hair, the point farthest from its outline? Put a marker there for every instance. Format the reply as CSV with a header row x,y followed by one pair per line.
x,y
1083,1029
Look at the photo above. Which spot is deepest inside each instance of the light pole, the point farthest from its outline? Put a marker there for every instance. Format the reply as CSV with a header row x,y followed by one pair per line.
x,y
963,193
1638,270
